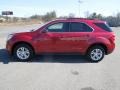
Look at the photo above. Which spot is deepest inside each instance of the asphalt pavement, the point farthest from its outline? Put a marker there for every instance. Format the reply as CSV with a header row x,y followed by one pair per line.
x,y
58,72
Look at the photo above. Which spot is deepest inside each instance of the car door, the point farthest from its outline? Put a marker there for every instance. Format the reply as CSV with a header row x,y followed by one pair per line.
x,y
59,31
79,35
50,38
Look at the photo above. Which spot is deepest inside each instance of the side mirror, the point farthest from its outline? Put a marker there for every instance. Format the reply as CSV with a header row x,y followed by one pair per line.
x,y
32,30
44,31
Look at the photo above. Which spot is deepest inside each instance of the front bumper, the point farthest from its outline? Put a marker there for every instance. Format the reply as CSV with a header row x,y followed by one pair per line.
x,y
9,47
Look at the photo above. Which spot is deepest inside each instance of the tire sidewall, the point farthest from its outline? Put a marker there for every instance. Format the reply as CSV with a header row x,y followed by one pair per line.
x,y
91,49
26,46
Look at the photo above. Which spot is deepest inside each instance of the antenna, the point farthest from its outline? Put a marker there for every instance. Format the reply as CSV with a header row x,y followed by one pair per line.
x,y
79,2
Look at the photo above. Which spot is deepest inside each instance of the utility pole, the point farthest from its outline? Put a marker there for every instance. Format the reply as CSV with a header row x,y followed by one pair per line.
x,y
79,2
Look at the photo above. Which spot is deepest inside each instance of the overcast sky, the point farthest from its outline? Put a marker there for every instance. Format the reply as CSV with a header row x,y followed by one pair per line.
x,y
26,8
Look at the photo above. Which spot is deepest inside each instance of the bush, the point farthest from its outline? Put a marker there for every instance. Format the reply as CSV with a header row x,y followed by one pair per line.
x,y
113,21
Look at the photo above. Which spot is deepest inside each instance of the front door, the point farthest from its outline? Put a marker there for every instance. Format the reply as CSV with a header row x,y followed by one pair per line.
x,y
51,39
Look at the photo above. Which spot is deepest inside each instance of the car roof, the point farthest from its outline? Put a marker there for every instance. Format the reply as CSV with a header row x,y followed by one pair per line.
x,y
79,20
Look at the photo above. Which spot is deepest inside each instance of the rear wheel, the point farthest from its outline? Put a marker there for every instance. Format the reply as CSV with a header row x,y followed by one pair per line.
x,y
23,52
96,53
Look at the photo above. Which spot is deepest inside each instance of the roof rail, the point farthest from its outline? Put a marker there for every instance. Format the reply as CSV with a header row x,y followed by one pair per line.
x,y
82,18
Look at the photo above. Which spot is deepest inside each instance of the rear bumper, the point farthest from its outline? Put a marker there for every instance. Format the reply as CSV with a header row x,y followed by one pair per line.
x,y
110,49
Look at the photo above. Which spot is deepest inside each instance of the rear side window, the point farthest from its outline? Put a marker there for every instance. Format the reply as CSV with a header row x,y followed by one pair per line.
x,y
104,26
79,27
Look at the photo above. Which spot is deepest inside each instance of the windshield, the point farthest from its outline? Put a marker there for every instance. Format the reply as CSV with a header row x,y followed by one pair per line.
x,y
39,26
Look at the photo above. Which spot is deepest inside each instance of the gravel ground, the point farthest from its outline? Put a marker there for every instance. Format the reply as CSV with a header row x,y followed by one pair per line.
x,y
58,72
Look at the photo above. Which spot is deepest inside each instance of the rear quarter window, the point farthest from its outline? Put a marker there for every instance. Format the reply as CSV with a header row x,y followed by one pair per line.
x,y
104,26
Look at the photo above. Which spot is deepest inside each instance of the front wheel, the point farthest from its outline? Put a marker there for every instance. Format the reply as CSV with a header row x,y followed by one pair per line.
x,y
96,53
23,52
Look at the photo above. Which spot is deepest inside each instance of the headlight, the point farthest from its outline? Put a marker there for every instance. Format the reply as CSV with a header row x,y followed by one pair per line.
x,y
10,36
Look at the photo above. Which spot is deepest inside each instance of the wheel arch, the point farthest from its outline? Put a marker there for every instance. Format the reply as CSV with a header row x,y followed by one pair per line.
x,y
22,42
99,44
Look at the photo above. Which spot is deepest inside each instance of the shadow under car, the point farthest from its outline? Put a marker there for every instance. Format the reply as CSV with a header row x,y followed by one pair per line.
x,y
46,58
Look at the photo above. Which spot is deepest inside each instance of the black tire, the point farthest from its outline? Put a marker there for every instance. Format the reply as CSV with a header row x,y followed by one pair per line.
x,y
29,55
91,56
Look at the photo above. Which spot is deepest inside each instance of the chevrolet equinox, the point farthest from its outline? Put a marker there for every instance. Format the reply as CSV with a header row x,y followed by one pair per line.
x,y
89,37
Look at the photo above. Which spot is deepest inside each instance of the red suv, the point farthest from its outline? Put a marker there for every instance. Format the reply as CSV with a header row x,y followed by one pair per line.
x,y
92,38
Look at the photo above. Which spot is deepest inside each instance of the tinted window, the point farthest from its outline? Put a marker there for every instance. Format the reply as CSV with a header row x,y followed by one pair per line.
x,y
103,26
58,27
79,27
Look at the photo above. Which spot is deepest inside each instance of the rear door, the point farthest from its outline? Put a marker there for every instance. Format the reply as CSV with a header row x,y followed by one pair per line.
x,y
79,35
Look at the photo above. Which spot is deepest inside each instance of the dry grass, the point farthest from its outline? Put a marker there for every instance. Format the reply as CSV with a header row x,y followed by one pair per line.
x,y
19,23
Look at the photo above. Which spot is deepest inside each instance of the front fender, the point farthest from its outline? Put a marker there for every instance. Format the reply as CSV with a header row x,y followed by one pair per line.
x,y
22,39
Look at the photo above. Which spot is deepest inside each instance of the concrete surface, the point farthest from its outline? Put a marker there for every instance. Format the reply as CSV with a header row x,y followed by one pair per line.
x,y
58,72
